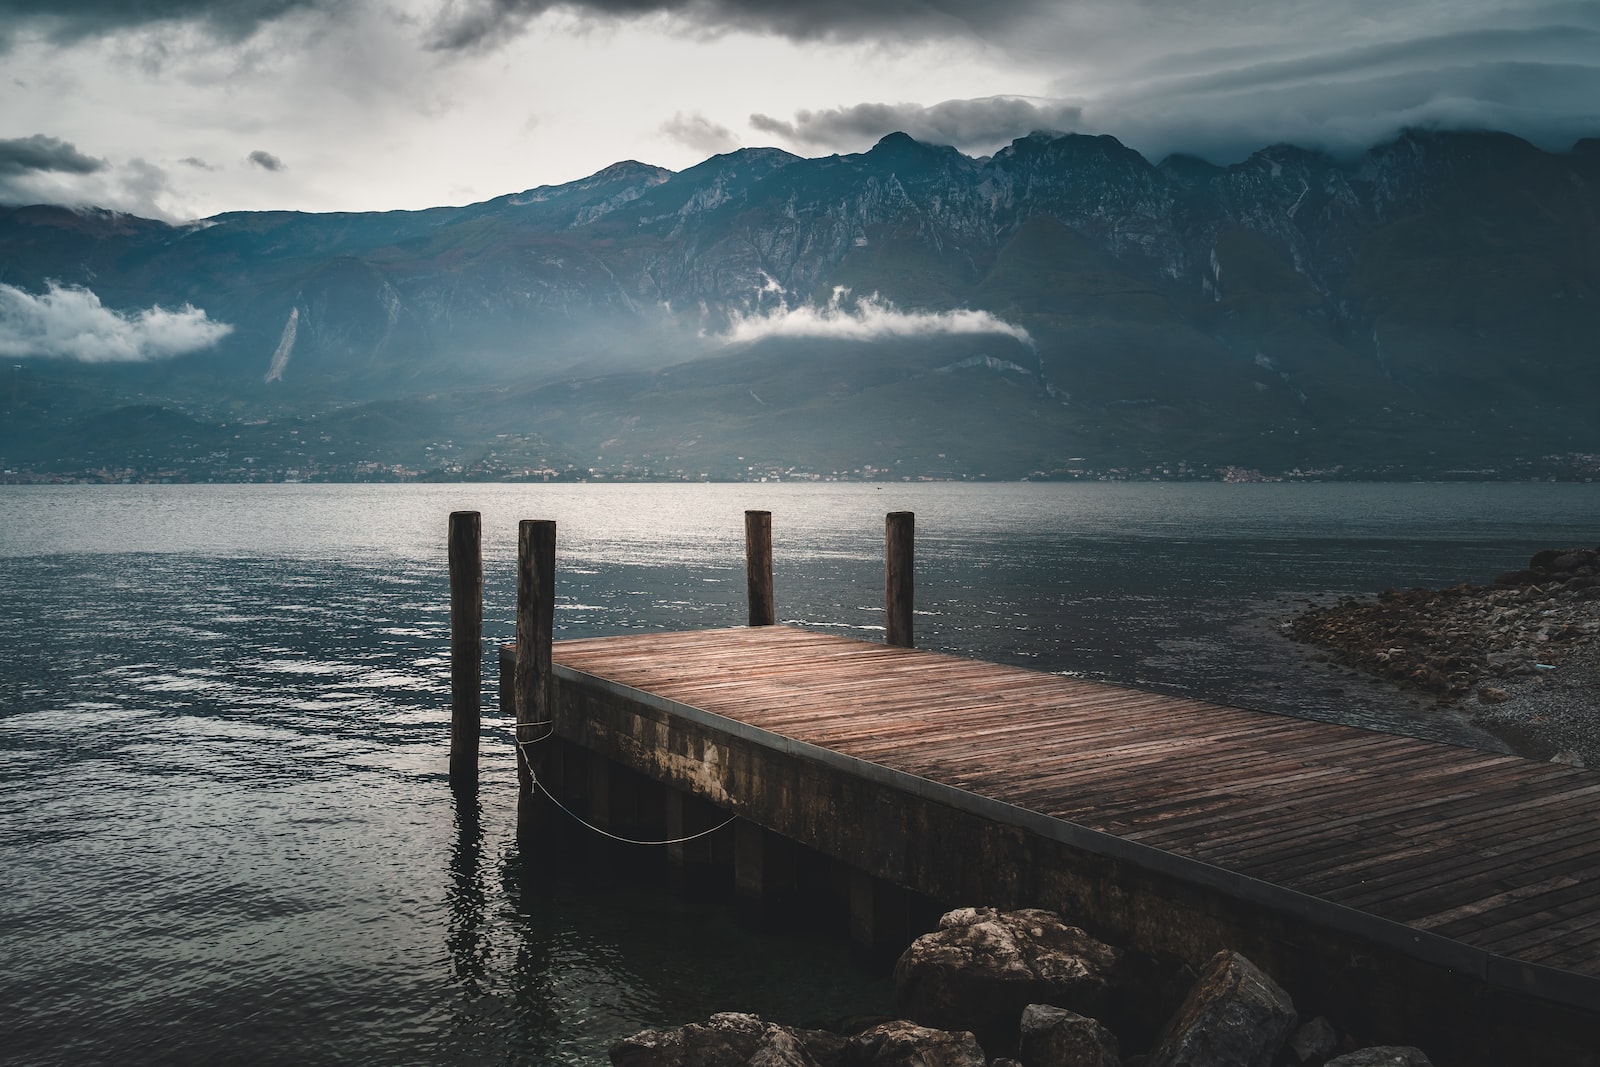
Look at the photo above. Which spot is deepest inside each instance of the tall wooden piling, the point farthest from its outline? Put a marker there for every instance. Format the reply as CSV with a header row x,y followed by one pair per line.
x,y
536,601
758,567
898,541
466,641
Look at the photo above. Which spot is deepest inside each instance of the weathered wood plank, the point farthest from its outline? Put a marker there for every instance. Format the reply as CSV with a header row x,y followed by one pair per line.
x,y
1497,852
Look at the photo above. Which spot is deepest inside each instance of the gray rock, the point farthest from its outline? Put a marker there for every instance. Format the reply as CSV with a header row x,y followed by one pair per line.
x,y
730,1039
982,967
905,1044
1056,1037
783,1048
1383,1056
1314,1042
1235,1016
1571,561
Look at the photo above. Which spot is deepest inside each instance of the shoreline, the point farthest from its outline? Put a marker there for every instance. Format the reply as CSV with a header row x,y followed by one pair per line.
x,y
1518,659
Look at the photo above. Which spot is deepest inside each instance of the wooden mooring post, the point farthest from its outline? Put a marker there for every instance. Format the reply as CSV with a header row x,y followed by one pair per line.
x,y
898,542
466,642
536,601
758,567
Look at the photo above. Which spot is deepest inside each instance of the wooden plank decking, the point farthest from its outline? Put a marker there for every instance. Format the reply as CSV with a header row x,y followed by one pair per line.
x,y
1494,852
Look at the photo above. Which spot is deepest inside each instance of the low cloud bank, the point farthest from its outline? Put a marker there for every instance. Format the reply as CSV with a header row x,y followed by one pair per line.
x,y
867,318
979,126
69,322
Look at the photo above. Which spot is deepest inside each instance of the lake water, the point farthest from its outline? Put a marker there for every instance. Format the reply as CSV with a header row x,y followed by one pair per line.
x,y
226,833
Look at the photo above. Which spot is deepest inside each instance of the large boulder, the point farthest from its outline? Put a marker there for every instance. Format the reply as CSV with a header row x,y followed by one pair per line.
x,y
1056,1037
730,1039
905,1044
1234,1016
1383,1056
982,967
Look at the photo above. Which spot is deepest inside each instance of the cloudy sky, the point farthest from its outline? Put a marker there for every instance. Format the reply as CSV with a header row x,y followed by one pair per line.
x,y
185,108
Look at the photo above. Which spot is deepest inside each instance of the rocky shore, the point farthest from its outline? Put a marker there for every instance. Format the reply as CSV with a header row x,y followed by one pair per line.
x,y
1522,653
1024,989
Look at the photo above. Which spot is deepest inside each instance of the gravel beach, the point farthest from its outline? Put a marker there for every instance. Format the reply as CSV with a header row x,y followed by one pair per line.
x,y
1520,657
1554,714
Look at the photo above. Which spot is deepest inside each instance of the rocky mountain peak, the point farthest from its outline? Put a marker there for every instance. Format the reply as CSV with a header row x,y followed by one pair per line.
x,y
896,147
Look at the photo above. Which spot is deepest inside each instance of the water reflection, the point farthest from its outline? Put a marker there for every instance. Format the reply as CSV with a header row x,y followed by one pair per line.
x,y
466,939
535,968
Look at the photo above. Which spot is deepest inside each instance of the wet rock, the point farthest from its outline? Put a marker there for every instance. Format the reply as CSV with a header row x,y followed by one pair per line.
x,y
1314,1042
1056,1037
905,1044
1491,695
1383,1056
730,1039
1235,1016
982,967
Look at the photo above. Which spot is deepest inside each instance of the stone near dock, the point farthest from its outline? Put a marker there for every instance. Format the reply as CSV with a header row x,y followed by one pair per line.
x,y
905,1044
982,967
1313,1043
730,1039
1383,1056
1235,1016
1056,1037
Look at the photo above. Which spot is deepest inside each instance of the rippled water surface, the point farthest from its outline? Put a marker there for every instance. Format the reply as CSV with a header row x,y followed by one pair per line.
x,y
226,831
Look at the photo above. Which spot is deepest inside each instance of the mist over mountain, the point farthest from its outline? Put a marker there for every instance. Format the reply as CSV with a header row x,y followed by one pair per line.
x,y
1062,308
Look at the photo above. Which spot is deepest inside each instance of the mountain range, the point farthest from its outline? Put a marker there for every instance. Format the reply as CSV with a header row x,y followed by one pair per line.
x,y
1063,308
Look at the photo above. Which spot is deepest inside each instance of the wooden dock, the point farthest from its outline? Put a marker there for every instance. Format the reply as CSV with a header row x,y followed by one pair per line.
x,y
1481,866
1421,893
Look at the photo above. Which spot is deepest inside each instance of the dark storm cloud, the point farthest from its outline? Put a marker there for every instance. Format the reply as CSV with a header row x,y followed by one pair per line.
x,y
1221,79
47,170
1213,77
1541,44
1541,82
29,155
1552,106
476,24
71,21
266,160
971,125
